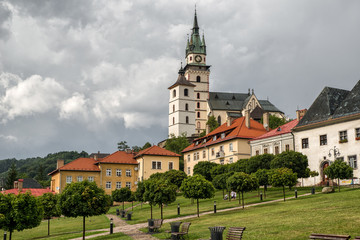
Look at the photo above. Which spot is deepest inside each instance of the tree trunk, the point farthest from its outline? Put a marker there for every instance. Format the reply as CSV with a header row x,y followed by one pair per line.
x,y
242,196
48,226
10,234
123,205
162,211
339,183
132,205
151,211
265,189
223,193
284,192
83,227
239,198
229,196
197,201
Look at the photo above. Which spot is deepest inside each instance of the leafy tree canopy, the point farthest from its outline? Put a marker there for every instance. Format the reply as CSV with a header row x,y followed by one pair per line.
x,y
259,162
121,195
275,122
122,146
282,177
177,144
49,202
146,145
339,170
242,182
295,161
197,187
11,177
262,176
242,165
212,123
175,177
139,193
204,168
219,169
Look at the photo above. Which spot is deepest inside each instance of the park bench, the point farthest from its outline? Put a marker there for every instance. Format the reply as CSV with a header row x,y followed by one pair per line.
x,y
329,236
156,226
357,238
235,233
184,231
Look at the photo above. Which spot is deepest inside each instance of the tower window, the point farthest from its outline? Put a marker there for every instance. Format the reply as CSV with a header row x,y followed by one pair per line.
x,y
198,124
174,93
190,58
173,108
187,120
186,92
198,78
198,95
173,120
187,107
198,105
198,114
219,120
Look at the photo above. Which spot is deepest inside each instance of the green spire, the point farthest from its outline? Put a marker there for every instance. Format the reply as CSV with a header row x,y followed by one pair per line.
x,y
195,45
195,26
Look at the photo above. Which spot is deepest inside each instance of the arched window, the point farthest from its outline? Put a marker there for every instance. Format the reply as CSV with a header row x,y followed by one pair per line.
x,y
198,78
173,120
219,120
173,108
186,107
198,105
187,119
198,124
198,114
174,93
186,92
198,95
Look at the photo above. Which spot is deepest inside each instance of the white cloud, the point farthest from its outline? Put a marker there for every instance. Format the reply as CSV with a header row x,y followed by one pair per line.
x,y
74,107
8,138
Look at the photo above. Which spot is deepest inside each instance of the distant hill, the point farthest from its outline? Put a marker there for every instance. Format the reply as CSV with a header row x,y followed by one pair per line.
x,y
30,167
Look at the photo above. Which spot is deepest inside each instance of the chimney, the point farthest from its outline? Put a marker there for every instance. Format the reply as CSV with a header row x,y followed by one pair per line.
x,y
128,150
60,163
266,116
229,121
247,118
16,184
20,184
95,157
207,129
300,113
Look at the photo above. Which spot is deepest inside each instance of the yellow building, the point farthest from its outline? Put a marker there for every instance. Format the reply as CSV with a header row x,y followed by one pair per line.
x,y
156,160
226,144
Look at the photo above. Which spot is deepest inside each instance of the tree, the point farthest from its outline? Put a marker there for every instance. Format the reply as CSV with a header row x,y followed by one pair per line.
x,y
136,148
175,177
157,175
212,123
219,169
242,182
19,212
146,145
11,177
242,165
197,187
282,177
148,195
340,170
49,202
139,193
122,146
262,176
204,168
84,199
41,176
121,195
176,145
219,182
164,193
295,161
274,121
259,162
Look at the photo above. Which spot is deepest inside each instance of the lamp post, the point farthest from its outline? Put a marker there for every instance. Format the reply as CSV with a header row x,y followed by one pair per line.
x,y
336,153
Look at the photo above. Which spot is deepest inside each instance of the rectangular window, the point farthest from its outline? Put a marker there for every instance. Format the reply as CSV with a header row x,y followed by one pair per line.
x,y
118,185
128,172
340,158
287,147
221,148
79,178
90,179
128,185
222,135
230,147
204,154
195,157
276,150
68,179
188,158
212,151
118,172
108,172
265,150
323,140
158,164
357,133
108,185
353,161
343,136
153,165
222,161
305,143
257,152
171,165
189,170
231,160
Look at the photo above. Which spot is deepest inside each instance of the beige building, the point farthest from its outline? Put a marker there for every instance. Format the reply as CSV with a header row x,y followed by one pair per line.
x,y
155,160
226,144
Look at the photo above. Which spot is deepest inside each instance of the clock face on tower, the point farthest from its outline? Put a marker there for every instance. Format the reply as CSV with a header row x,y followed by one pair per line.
x,y
198,58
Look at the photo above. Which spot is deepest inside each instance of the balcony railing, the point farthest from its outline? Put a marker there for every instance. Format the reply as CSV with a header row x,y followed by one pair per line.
x,y
220,154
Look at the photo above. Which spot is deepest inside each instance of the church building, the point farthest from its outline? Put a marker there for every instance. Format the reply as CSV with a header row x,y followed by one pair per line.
x,y
191,102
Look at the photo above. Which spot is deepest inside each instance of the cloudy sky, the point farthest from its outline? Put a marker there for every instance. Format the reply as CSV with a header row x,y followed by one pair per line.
x,y
83,75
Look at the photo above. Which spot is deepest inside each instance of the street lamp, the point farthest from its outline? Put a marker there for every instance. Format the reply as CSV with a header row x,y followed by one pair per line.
x,y
335,151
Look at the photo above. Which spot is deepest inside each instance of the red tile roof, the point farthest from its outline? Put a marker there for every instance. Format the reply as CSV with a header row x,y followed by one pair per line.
x,y
34,191
236,130
119,157
80,164
157,151
283,129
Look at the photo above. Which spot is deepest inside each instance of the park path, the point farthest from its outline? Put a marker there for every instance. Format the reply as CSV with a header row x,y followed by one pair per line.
x,y
134,232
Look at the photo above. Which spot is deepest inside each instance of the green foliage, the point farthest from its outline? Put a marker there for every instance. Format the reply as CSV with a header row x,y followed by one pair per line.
x,y
275,122
136,148
11,177
282,177
41,175
339,170
204,168
262,175
242,182
219,181
202,134
219,169
19,212
295,161
212,123
122,145
176,145
157,175
146,145
242,165
49,202
164,193
259,162
139,193
121,195
175,177
313,173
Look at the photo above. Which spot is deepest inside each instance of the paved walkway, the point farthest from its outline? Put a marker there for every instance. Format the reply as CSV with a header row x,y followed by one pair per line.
x,y
134,232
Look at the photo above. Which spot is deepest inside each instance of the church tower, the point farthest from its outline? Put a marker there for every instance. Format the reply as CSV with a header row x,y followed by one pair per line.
x,y
197,73
181,107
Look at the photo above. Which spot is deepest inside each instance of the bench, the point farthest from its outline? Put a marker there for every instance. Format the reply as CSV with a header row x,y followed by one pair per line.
x,y
184,231
329,236
357,238
156,226
235,233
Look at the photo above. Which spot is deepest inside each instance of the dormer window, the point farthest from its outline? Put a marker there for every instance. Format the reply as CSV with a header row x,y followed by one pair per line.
x,y
222,135
279,129
204,141
214,138
196,143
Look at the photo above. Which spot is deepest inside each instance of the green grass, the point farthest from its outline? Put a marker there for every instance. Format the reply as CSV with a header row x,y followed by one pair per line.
x,y
187,207
64,228
114,236
336,213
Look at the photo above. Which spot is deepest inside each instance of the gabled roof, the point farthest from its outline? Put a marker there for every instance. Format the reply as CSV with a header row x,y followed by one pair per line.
x,y
351,104
80,164
237,129
34,191
181,80
324,106
227,101
157,151
267,106
31,183
283,129
120,157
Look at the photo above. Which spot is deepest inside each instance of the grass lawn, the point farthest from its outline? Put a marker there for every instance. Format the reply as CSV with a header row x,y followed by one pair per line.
x,y
188,208
335,213
64,228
